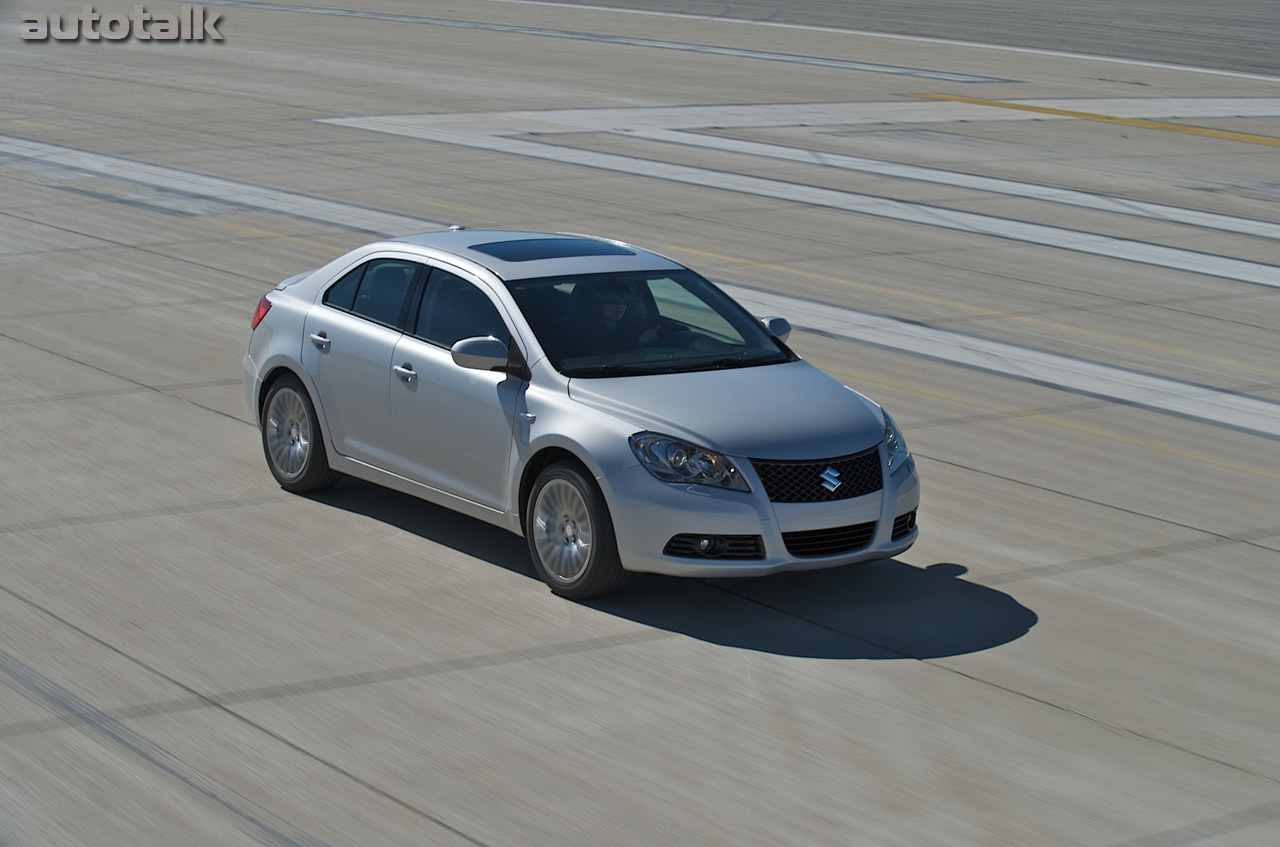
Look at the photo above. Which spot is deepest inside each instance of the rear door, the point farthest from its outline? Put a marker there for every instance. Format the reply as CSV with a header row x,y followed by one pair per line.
x,y
349,338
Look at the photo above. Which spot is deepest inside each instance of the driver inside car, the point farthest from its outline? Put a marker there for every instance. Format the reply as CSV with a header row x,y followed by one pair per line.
x,y
615,321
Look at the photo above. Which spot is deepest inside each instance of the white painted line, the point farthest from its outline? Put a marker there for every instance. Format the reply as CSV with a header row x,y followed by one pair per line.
x,y
913,111
970,222
1202,403
229,191
923,39
1056,371
1064,196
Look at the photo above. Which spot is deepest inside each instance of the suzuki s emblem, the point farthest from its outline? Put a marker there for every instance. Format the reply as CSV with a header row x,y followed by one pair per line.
x,y
830,478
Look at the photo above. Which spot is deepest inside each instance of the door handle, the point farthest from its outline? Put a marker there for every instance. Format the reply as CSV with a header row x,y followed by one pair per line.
x,y
321,340
528,416
406,371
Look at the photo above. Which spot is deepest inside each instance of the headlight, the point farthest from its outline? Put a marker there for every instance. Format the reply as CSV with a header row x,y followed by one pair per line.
x,y
673,460
895,445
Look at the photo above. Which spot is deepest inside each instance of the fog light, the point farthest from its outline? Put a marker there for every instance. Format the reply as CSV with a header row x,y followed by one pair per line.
x,y
712,546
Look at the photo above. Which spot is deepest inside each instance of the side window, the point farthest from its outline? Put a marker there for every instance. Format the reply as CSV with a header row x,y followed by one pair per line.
x,y
454,309
383,289
342,294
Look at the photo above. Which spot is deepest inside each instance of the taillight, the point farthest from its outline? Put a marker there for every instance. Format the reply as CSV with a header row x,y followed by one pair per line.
x,y
264,306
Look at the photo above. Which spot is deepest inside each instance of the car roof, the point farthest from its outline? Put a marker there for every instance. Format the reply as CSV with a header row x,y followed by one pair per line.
x,y
528,255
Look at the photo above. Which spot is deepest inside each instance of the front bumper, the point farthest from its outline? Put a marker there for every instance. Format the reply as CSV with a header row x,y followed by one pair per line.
x,y
647,513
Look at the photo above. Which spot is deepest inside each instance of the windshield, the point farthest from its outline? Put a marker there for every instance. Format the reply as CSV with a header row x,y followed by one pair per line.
x,y
642,322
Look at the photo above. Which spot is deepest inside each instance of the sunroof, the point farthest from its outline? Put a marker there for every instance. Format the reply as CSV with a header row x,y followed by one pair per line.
x,y
528,249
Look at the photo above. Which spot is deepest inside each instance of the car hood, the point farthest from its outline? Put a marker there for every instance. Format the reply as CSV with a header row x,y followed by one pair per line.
x,y
788,411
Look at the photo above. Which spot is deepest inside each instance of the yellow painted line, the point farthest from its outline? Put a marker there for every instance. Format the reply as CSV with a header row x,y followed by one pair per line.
x,y
33,124
452,207
1162,349
257,233
1111,119
879,289
1045,420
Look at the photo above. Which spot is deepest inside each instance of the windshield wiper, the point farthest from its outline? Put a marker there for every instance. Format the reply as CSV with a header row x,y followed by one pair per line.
x,y
714,364
725,362
612,370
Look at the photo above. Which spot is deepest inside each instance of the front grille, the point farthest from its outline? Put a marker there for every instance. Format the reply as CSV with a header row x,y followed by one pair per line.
x,y
803,482
903,524
828,542
735,546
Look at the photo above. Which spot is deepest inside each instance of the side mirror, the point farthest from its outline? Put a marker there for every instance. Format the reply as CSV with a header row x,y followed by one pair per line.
x,y
778,327
480,353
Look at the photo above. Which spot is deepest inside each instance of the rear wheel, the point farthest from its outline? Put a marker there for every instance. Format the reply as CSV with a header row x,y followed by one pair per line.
x,y
291,438
570,534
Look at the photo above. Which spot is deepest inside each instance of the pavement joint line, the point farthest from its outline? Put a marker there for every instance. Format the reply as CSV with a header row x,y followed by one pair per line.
x,y
106,372
130,307
1099,721
120,244
1093,116
343,682
1242,538
34,686
142,514
225,701
126,201
243,696
548,651
506,657
72,715
1207,829
940,665
616,40
73,395
204,383
114,392
1127,557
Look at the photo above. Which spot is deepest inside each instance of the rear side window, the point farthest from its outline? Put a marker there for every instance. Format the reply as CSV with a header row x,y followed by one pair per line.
x,y
342,294
454,309
376,290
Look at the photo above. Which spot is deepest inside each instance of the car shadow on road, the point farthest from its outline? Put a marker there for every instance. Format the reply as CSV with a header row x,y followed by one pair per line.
x,y
877,610
885,609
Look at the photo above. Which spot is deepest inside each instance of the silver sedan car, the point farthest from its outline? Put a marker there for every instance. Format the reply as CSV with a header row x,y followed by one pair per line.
x,y
611,405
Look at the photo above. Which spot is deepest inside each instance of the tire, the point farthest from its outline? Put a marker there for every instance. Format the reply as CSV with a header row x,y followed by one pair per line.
x,y
570,534
291,438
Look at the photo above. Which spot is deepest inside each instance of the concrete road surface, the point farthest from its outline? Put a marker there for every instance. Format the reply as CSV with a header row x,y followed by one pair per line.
x,y
1243,35
1060,274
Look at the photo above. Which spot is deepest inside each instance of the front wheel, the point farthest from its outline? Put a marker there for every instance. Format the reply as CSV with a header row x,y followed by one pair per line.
x,y
291,438
570,534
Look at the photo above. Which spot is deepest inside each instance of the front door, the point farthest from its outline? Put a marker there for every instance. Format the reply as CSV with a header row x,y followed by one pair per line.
x,y
453,425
